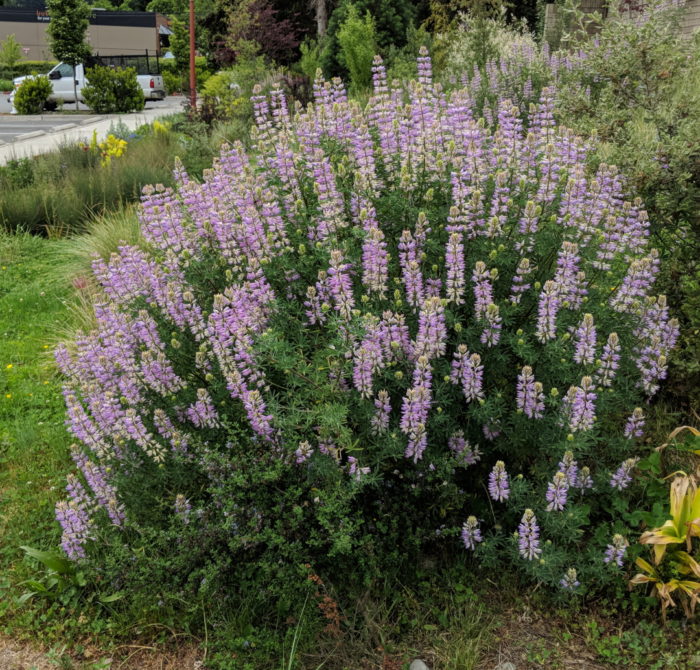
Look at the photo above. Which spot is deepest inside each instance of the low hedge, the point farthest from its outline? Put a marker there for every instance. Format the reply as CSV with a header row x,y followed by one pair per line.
x,y
27,67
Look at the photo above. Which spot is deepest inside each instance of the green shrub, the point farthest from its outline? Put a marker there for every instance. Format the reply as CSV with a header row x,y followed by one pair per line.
x,y
223,92
310,60
392,19
6,85
172,82
17,173
32,95
220,102
113,90
357,41
168,69
27,67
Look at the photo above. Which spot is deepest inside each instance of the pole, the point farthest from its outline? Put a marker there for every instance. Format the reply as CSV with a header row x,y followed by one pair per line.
x,y
193,76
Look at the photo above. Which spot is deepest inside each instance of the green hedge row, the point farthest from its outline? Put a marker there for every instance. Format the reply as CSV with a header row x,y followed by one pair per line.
x,y
27,67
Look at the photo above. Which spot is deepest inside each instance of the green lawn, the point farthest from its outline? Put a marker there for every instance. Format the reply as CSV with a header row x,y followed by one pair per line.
x,y
33,440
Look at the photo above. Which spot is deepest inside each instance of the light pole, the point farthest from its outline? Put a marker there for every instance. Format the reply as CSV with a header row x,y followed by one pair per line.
x,y
193,75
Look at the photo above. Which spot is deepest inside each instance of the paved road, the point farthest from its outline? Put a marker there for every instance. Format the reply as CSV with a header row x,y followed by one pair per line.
x,y
14,127
32,135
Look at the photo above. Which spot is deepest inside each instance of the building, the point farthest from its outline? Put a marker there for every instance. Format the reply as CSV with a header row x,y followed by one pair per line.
x,y
110,33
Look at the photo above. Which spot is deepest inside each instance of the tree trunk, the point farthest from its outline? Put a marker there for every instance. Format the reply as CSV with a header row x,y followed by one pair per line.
x,y
75,89
321,8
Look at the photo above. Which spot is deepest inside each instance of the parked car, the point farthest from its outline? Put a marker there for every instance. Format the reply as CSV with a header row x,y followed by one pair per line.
x,y
61,78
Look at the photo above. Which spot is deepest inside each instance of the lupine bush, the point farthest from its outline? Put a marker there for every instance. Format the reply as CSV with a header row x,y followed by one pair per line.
x,y
635,86
385,332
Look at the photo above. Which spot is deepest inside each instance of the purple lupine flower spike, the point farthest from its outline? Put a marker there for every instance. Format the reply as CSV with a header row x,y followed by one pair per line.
x,y
581,406
584,480
462,450
570,580
585,338
77,527
528,536
635,424
557,492
499,488
529,396
454,264
547,312
471,534
569,467
468,371
303,452
380,420
183,508
609,361
623,475
615,552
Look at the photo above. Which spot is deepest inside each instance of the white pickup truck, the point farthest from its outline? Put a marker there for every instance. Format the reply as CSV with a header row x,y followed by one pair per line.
x,y
61,78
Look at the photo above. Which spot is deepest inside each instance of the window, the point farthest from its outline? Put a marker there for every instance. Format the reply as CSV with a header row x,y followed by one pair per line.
x,y
65,70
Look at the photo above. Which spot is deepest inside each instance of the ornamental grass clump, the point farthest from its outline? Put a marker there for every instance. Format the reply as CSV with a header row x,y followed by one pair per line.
x,y
388,330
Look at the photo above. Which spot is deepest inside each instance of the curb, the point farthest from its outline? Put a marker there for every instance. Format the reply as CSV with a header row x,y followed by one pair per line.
x,y
29,136
65,126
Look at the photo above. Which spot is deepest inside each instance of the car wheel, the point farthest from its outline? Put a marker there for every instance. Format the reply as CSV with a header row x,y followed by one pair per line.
x,y
50,105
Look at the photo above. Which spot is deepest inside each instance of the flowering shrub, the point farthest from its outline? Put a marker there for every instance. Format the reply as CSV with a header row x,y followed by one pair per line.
x,y
635,85
383,322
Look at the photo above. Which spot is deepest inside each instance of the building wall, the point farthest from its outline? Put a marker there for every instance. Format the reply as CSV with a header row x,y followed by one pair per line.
x,y
120,40
31,36
106,40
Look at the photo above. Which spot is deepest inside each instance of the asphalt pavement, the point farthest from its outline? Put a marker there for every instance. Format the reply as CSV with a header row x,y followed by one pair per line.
x,y
31,135
21,127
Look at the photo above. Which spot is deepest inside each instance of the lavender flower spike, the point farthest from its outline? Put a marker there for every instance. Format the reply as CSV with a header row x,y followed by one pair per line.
x,y
303,452
615,552
623,476
570,580
635,424
498,482
557,492
183,508
585,341
529,396
584,480
528,536
471,534
569,467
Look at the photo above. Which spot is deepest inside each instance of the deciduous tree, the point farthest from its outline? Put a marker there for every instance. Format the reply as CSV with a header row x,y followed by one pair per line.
x,y
67,30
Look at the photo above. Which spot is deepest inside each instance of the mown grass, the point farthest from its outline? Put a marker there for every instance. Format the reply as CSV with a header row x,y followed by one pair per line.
x,y
33,440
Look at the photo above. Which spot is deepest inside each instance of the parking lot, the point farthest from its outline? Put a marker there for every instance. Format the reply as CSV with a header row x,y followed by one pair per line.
x,y
15,127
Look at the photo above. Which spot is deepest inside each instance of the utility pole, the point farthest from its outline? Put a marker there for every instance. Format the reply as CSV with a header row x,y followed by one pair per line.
x,y
193,76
